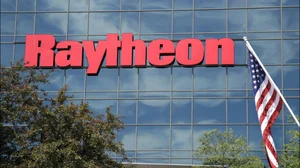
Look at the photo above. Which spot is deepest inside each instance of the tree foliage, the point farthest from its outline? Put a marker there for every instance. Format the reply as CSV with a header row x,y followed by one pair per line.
x,y
40,131
225,149
290,157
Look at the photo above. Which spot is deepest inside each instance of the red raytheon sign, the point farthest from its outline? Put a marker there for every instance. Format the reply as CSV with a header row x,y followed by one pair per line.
x,y
40,52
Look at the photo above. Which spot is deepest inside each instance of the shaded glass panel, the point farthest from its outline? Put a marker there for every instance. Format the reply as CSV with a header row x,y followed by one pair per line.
x,y
181,137
25,5
183,4
130,22
154,79
156,22
74,19
290,51
51,23
182,78
209,111
52,5
130,4
107,79
182,21
127,109
154,111
237,78
236,20
209,78
6,51
7,24
79,5
25,24
236,111
210,4
153,137
128,137
181,111
105,5
263,19
291,77
75,79
104,23
156,4
210,21
8,5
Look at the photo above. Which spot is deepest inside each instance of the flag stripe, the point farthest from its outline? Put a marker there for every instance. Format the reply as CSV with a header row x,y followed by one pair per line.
x,y
268,105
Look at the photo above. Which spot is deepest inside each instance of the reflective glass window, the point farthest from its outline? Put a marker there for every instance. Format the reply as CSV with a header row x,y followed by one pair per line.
x,y
130,4
291,77
237,77
156,4
181,111
130,22
290,18
154,111
156,22
128,79
75,79
209,111
51,23
127,109
290,51
154,79
107,79
104,23
78,23
210,21
182,21
7,24
128,137
6,54
99,106
52,5
26,5
183,4
182,78
237,110
236,20
209,78
153,137
79,5
25,24
181,137
264,19
260,3
97,5
236,3
8,5
210,4
268,51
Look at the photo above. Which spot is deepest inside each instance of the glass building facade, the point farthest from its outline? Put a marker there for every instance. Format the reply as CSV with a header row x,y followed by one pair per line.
x,y
167,109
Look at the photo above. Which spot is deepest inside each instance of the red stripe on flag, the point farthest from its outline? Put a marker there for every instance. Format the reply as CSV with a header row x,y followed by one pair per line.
x,y
263,95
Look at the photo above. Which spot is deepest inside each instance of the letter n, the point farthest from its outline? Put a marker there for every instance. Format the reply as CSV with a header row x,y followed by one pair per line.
x,y
212,52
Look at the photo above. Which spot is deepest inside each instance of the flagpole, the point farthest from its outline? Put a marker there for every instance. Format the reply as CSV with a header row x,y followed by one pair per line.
x,y
271,80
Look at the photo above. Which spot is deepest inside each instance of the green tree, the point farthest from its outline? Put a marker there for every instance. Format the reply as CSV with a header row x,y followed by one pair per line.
x,y
40,131
290,157
225,149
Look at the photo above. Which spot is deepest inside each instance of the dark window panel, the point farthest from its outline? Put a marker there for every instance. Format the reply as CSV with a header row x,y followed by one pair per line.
x,y
7,24
25,24
153,137
210,21
209,111
26,5
156,4
156,22
8,5
181,111
154,112
237,111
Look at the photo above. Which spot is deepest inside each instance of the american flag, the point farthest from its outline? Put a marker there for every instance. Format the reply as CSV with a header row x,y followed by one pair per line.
x,y
268,105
